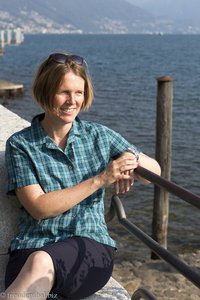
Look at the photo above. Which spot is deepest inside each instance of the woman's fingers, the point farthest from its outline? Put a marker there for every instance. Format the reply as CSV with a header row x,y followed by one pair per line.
x,y
123,185
128,183
121,172
116,187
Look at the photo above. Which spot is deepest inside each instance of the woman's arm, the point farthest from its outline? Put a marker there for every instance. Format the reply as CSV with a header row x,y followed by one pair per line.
x,y
148,163
42,205
123,186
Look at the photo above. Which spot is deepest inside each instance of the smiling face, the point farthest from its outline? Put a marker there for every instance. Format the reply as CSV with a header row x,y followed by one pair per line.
x,y
53,74
68,99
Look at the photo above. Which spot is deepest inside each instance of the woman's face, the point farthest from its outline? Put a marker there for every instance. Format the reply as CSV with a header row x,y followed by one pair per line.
x,y
69,97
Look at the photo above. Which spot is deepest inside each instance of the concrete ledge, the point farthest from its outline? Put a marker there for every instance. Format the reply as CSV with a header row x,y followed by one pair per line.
x,y
111,291
9,89
9,207
9,211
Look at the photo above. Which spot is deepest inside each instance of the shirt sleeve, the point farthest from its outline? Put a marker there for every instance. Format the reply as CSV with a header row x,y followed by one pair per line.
x,y
118,144
19,167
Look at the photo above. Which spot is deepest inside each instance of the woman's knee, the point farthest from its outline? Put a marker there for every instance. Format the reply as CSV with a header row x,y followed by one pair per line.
x,y
40,262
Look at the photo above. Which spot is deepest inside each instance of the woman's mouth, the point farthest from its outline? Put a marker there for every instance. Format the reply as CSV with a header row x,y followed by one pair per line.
x,y
67,110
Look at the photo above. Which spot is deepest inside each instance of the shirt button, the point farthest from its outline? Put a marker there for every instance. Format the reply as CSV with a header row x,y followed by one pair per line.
x,y
70,167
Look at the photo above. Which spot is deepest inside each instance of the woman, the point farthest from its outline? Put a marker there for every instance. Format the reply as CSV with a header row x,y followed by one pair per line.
x,y
58,168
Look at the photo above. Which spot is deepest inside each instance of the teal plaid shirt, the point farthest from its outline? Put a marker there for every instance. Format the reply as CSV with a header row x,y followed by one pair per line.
x,y
32,157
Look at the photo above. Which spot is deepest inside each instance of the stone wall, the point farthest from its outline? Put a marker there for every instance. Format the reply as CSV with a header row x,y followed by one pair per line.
x,y
9,207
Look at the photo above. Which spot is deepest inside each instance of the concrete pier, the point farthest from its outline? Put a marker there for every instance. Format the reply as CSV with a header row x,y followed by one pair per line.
x,y
9,89
11,36
9,211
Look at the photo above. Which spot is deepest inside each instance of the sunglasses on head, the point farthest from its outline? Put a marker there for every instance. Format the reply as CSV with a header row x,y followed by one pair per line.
x,y
62,58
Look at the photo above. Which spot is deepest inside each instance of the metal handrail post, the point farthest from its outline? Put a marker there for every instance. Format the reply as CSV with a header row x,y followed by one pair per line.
x,y
143,293
165,254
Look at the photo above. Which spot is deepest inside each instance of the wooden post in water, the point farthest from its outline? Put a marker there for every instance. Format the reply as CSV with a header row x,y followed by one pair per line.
x,y
163,156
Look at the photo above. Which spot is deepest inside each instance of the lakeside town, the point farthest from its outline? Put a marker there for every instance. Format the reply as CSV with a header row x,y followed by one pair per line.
x,y
99,18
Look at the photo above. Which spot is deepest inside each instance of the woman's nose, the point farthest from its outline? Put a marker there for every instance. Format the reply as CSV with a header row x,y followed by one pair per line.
x,y
71,98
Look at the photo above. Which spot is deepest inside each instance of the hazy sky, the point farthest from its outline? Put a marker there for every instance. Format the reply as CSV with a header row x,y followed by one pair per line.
x,y
174,8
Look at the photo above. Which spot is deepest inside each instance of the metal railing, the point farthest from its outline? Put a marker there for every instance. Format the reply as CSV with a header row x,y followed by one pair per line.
x,y
170,186
143,293
117,207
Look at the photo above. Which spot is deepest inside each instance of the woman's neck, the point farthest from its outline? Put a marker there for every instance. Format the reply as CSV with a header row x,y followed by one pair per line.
x,y
57,131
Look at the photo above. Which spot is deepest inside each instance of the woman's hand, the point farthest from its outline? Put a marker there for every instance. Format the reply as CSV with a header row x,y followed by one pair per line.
x,y
123,185
120,172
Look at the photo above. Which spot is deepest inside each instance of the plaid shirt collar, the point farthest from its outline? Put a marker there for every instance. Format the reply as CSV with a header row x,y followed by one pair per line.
x,y
40,137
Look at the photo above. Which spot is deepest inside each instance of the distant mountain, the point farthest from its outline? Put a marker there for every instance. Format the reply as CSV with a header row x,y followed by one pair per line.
x,y
85,16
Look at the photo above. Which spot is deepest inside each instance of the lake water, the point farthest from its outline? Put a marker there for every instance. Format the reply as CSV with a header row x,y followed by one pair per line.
x,y
124,69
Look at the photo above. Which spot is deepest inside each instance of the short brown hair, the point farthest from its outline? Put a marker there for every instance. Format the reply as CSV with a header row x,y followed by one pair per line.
x,y
49,77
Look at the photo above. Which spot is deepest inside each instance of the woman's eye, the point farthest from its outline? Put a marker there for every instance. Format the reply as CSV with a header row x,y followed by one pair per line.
x,y
79,93
63,93
67,94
